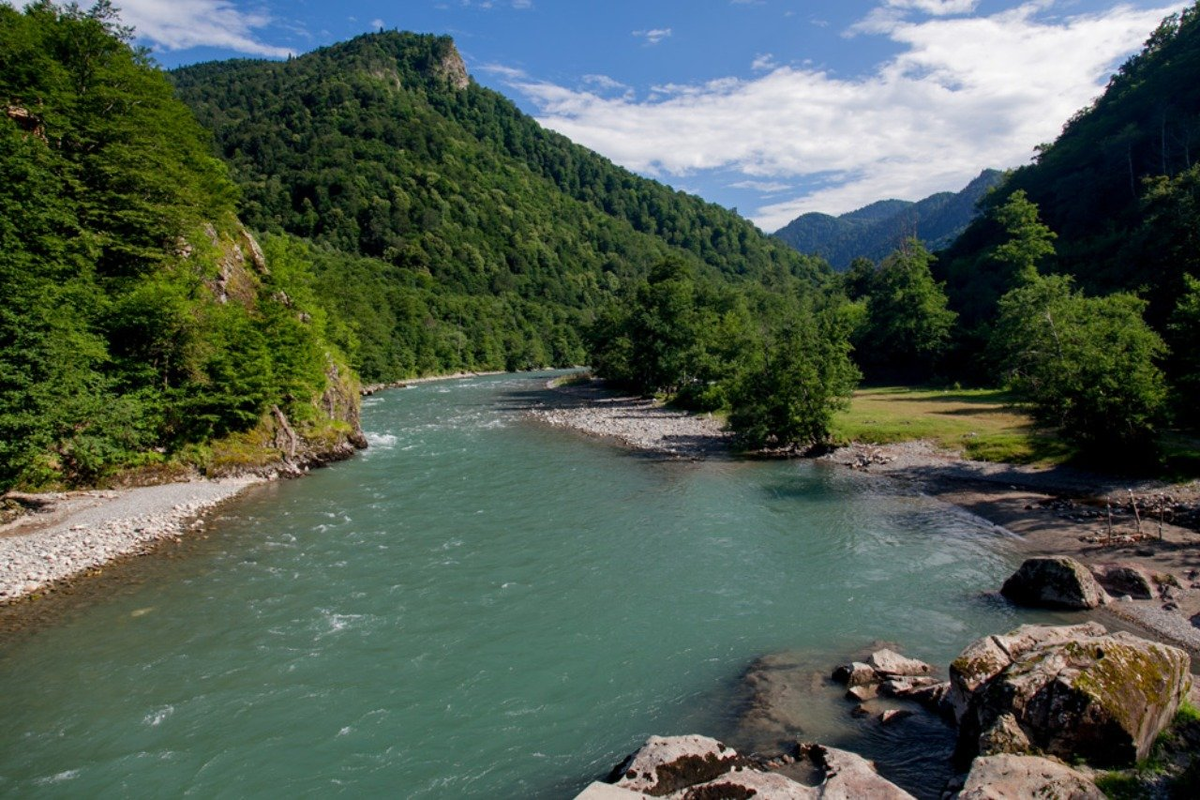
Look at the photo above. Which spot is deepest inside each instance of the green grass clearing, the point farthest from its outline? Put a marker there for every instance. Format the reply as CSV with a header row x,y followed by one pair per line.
x,y
981,424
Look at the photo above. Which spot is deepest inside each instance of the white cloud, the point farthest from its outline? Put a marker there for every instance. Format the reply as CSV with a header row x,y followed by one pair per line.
x,y
763,62
936,8
377,24
654,35
180,24
963,94
766,187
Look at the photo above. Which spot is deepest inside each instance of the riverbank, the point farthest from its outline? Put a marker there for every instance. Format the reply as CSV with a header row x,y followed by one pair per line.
x,y
1052,511
76,532
60,536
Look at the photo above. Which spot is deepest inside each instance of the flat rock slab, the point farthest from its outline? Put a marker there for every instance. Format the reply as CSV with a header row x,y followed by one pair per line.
x,y
1016,777
665,764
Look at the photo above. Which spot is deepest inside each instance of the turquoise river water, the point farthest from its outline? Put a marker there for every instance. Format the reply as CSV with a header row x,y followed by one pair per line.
x,y
479,606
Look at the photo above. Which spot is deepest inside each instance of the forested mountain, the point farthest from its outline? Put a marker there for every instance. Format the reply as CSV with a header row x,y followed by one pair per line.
x,y
449,229
1119,187
411,222
876,230
140,324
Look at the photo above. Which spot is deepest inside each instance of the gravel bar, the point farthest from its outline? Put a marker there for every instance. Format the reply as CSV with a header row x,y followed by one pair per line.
x,y
84,530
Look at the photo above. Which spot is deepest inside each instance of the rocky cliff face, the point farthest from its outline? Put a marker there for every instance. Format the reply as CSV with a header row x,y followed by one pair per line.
x,y
278,445
453,69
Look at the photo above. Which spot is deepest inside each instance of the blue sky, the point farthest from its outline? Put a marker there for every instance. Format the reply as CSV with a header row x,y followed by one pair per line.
x,y
776,107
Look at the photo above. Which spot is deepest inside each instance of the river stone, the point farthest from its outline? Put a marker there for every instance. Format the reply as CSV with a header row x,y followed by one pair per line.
x,y
1057,582
846,776
984,658
1125,579
606,791
1102,697
1015,777
862,693
748,783
855,674
905,685
665,764
889,662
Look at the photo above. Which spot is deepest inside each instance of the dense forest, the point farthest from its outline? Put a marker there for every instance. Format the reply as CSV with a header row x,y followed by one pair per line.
x,y
412,222
140,323
1117,187
1076,286
475,238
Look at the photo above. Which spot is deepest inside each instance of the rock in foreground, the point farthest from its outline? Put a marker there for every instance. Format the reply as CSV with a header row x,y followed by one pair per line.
x,y
1014,777
1071,692
699,768
1058,582
667,763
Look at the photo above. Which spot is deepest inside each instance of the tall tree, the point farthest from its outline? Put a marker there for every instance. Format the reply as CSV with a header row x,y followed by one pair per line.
x,y
908,325
802,375
1086,365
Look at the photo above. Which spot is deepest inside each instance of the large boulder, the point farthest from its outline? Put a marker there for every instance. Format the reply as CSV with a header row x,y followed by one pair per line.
x,y
1071,692
665,764
1016,777
1125,579
985,658
1058,582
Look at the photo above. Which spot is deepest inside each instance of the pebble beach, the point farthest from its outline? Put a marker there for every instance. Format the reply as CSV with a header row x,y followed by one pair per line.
x,y
79,531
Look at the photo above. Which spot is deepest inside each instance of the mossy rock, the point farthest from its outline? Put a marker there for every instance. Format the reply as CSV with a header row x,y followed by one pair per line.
x,y
1100,698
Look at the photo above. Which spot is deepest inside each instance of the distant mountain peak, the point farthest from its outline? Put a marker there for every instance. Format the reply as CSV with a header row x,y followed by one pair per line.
x,y
876,229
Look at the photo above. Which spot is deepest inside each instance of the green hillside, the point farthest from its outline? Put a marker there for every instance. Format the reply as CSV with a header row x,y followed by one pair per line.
x,y
1113,186
476,238
141,326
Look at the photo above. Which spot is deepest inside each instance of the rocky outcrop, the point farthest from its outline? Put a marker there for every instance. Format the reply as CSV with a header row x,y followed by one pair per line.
x,y
1057,582
1125,580
699,768
985,658
665,764
1074,691
1017,777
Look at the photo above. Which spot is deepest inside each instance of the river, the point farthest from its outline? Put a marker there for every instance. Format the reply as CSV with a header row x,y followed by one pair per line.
x,y
479,606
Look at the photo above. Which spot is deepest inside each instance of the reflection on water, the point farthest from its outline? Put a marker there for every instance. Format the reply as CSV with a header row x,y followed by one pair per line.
x,y
480,606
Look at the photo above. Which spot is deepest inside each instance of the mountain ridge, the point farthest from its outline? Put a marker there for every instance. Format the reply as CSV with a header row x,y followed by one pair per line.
x,y
878,228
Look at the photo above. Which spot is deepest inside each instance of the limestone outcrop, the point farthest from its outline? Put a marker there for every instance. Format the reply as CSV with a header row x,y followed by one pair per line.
x,y
1057,582
1072,692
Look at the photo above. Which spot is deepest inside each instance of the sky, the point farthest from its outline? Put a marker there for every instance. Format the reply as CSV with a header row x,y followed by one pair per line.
x,y
773,107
